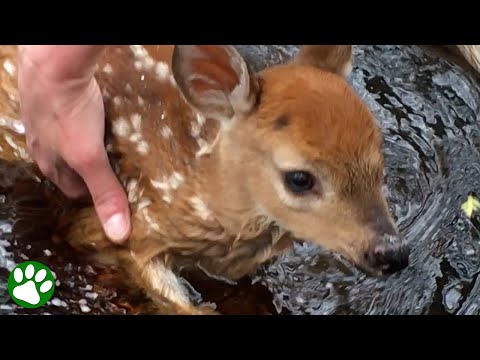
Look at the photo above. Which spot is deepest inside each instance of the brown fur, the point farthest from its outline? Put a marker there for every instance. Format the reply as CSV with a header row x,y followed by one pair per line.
x,y
333,58
223,209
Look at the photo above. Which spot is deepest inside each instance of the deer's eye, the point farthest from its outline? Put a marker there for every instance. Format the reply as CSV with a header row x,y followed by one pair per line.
x,y
299,182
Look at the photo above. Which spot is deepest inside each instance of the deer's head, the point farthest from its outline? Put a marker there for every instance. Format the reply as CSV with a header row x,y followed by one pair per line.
x,y
305,150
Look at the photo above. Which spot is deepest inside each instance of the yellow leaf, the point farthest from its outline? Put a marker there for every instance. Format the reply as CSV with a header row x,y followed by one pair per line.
x,y
470,206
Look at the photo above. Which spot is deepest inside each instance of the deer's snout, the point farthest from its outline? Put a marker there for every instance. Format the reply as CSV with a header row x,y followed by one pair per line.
x,y
387,252
388,255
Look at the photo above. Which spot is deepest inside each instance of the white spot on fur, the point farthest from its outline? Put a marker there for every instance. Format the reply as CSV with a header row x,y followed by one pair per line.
x,y
163,116
162,185
136,120
173,182
176,180
168,184
107,69
19,150
121,127
128,88
200,208
162,70
9,67
151,223
204,148
106,94
135,137
132,191
143,203
142,148
143,61
139,51
117,101
140,101
166,132
148,63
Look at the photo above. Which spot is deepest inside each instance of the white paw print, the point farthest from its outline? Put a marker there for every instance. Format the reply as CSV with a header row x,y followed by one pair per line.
x,y
35,286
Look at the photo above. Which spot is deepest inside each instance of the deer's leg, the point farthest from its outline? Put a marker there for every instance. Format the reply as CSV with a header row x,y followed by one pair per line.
x,y
166,290
162,286
82,230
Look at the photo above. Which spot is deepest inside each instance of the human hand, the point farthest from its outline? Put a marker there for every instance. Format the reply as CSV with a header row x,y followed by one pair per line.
x,y
63,113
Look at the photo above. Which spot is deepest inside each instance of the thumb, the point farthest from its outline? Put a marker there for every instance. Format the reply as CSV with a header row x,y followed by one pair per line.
x,y
109,198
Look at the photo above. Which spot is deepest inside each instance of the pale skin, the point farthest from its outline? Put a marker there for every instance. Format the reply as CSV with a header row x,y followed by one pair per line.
x,y
63,113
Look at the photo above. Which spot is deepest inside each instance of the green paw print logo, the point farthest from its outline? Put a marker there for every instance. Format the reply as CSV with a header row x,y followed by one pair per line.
x,y
31,284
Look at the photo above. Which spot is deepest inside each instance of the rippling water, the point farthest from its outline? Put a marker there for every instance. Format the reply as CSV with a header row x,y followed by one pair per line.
x,y
428,110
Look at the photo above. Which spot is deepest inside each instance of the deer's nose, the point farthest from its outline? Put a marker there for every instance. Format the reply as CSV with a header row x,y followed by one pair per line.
x,y
388,255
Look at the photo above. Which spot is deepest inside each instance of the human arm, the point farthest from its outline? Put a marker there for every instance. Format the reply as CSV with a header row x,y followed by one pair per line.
x,y
63,112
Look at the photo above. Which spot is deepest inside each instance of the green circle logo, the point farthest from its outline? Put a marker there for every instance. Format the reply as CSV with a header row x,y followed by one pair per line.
x,y
31,284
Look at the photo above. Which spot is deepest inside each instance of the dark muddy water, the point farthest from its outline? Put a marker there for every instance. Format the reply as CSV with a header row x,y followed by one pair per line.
x,y
428,110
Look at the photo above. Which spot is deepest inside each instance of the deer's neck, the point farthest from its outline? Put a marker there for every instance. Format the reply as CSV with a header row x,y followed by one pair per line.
x,y
222,184
223,229
225,191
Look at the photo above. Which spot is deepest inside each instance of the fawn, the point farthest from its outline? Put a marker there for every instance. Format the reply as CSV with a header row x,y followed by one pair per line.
x,y
225,168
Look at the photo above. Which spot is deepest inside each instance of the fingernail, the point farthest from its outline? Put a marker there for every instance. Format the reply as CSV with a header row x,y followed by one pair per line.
x,y
116,228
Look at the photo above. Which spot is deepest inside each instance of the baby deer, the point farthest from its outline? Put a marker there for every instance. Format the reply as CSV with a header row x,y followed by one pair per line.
x,y
224,168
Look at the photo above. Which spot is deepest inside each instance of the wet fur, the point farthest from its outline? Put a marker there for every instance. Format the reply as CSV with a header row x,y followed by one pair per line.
x,y
195,205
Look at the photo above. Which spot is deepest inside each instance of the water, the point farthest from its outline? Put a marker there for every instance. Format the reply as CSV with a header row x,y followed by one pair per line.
x,y
428,110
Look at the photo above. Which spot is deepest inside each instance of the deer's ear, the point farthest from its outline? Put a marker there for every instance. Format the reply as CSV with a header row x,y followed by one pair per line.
x,y
215,79
333,58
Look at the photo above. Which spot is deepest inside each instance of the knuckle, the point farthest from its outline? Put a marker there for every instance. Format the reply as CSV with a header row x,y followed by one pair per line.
x,y
109,198
85,159
110,202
